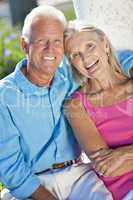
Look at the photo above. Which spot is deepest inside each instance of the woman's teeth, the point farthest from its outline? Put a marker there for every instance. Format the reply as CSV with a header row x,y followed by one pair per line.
x,y
90,65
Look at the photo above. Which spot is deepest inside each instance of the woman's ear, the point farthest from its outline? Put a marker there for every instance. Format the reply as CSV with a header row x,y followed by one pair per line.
x,y
106,45
24,45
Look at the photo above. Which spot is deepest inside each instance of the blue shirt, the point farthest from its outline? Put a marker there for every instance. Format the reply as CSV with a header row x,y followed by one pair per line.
x,y
33,131
126,60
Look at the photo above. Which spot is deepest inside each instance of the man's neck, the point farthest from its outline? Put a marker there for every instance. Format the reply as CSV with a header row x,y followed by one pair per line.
x,y
40,80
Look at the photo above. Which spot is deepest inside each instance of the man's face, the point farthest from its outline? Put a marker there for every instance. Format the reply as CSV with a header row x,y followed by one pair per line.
x,y
45,48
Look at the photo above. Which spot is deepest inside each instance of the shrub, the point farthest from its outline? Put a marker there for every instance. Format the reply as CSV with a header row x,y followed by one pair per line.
x,y
1,186
10,52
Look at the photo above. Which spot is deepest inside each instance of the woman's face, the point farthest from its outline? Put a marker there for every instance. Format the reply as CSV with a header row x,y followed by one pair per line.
x,y
87,53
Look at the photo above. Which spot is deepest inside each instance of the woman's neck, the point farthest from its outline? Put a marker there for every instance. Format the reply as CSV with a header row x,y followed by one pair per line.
x,y
104,83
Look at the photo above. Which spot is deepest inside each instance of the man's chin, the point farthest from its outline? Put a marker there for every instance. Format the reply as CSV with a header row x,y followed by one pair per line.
x,y
49,71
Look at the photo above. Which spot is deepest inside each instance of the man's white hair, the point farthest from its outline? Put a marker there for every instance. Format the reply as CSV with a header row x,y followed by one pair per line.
x,y
43,10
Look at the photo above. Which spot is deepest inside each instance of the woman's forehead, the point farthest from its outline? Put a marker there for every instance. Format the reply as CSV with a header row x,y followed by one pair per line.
x,y
81,37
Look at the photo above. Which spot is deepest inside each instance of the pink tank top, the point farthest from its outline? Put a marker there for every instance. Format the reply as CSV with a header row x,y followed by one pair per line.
x,y
115,124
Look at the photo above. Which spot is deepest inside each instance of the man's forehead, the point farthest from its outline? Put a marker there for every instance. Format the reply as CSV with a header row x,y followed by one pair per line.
x,y
46,28
47,21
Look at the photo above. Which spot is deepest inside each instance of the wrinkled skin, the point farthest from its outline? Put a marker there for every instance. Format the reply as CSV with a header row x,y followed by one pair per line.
x,y
113,162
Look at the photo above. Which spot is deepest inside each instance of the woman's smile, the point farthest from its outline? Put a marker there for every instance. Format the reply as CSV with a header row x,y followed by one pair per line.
x,y
91,67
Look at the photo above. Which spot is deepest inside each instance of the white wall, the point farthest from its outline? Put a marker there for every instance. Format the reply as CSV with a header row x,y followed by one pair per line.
x,y
52,2
115,17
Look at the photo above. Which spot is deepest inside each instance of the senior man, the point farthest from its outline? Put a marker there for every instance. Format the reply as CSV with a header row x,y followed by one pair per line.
x,y
39,156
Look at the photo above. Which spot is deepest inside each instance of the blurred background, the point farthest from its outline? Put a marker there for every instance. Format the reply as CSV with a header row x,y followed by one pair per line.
x,y
12,14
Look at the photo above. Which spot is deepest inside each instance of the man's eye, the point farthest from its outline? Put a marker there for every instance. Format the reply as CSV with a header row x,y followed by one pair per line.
x,y
43,42
58,42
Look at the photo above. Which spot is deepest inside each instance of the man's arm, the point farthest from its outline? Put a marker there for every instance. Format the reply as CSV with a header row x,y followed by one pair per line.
x,y
15,174
66,70
125,58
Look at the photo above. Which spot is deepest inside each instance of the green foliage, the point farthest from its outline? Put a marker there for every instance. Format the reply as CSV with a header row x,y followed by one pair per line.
x,y
1,186
70,15
10,52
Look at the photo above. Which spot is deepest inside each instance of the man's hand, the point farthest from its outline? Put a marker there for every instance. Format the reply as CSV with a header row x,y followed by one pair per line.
x,y
42,194
131,72
113,162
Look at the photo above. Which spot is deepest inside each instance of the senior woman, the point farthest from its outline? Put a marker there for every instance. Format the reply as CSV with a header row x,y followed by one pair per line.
x,y
101,113
115,19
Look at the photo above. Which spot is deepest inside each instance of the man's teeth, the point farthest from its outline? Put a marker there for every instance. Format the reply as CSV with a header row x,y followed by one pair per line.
x,y
49,58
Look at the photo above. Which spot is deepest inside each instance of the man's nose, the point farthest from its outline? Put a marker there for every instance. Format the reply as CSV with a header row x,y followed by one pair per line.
x,y
49,47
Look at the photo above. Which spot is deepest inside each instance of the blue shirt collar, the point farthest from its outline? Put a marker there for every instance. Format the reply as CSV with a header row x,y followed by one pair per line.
x,y
26,86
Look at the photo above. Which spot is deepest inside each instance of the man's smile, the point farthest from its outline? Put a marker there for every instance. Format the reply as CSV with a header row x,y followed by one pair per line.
x,y
49,58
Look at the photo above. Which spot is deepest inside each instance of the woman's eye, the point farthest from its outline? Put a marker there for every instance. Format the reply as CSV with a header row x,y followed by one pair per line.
x,y
74,56
90,46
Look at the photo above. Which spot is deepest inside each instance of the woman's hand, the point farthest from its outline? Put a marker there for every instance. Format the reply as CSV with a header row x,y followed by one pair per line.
x,y
113,162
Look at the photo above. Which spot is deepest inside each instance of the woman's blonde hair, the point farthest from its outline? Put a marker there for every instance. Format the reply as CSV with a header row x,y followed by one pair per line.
x,y
112,59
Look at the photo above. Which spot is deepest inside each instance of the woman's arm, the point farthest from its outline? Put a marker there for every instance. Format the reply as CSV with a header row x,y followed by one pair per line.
x,y
107,162
114,162
83,127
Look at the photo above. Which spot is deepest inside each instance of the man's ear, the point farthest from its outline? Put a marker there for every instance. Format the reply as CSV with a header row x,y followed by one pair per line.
x,y
24,45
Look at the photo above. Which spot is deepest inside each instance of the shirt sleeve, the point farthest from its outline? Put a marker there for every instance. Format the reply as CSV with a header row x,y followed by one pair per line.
x,y
73,83
15,173
125,58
